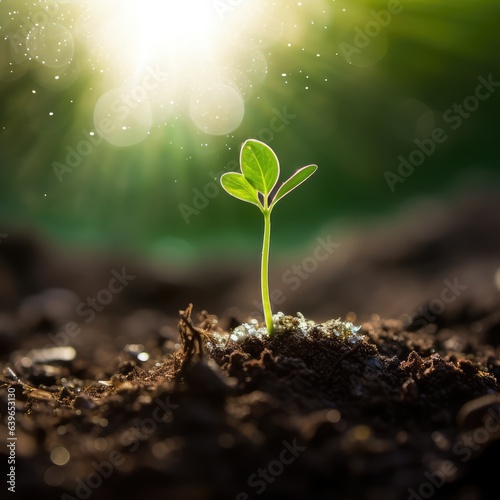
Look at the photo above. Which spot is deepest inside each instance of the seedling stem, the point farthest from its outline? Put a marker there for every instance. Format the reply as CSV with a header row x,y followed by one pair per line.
x,y
259,174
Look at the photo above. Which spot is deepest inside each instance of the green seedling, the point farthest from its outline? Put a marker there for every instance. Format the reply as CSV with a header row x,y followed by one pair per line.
x,y
260,170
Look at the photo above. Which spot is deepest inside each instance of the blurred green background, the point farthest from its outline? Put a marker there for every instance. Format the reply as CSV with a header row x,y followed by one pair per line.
x,y
351,117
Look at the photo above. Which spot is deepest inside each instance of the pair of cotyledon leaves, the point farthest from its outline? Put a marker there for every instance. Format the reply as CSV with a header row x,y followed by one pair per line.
x,y
260,170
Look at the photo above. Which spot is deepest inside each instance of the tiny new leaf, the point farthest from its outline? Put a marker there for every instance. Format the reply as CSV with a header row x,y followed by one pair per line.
x,y
295,180
260,165
237,185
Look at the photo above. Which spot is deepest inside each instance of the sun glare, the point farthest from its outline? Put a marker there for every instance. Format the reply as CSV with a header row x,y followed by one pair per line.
x,y
168,30
153,61
197,57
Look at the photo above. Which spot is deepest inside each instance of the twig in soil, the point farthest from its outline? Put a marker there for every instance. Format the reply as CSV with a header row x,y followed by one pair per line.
x,y
191,337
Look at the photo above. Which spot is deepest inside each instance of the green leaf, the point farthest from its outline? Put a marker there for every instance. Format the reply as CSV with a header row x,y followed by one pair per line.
x,y
236,185
259,165
295,180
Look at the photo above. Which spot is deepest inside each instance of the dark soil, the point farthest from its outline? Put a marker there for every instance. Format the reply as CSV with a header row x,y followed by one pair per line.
x,y
132,407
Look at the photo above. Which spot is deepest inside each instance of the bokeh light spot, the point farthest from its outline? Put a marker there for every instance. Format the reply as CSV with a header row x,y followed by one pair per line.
x,y
123,117
51,45
217,109
60,456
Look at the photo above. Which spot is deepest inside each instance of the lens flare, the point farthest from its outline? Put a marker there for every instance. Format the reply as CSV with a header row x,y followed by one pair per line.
x,y
51,44
217,109
140,33
209,55
150,62
119,122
